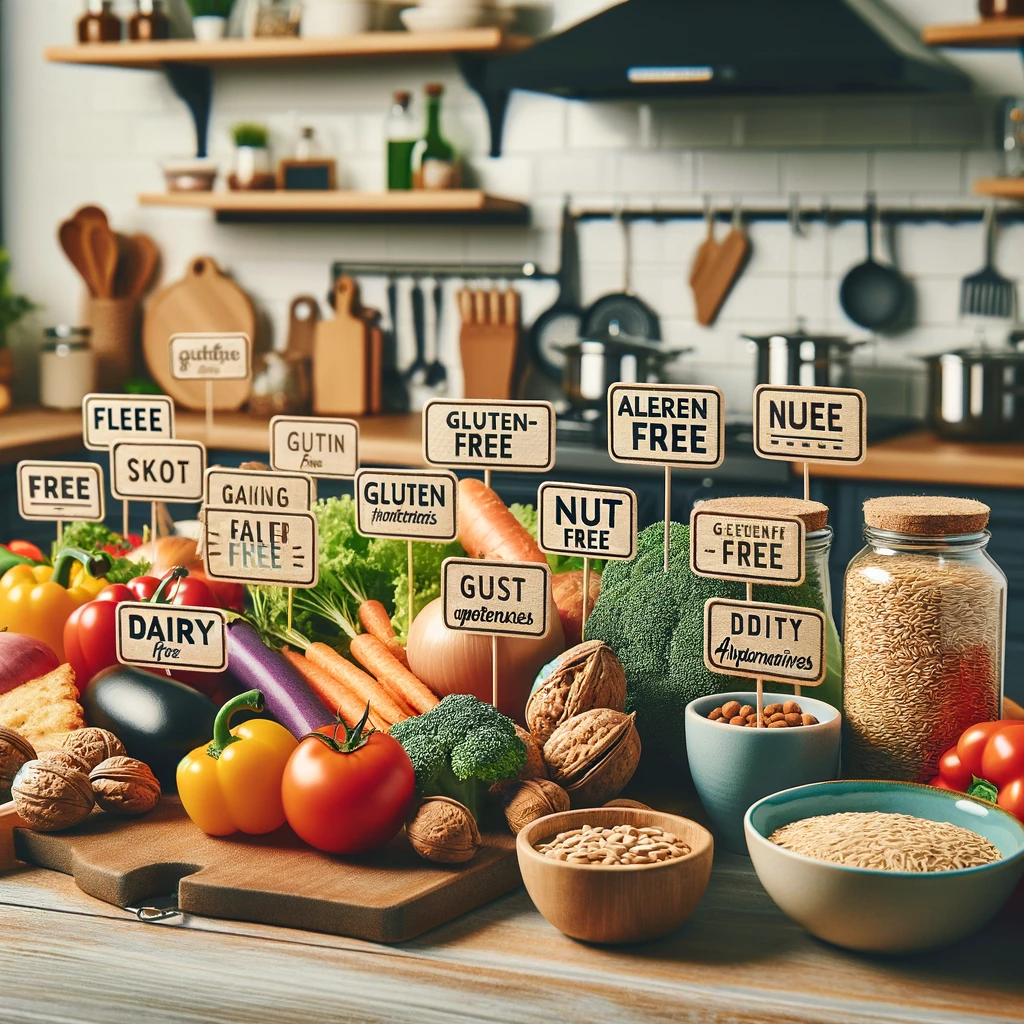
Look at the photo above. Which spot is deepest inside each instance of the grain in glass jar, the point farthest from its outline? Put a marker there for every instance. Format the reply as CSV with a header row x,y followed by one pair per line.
x,y
924,626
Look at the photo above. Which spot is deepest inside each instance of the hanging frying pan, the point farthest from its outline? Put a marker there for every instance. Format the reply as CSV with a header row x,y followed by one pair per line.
x,y
872,294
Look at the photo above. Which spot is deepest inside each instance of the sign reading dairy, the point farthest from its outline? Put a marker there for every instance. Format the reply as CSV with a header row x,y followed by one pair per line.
x,y
764,641
255,489
810,424
666,425
60,490
261,547
494,597
157,471
407,504
490,434
742,547
168,636
317,445
209,356
110,418
588,521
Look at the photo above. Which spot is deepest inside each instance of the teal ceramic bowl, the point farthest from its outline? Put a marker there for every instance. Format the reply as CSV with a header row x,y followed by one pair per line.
x,y
884,911
733,767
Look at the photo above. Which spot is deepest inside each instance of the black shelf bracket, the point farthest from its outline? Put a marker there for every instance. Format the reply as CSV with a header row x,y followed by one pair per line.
x,y
193,84
495,101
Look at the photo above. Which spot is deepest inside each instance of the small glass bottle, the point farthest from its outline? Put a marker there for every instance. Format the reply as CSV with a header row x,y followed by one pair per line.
x,y
435,165
148,22
306,148
401,134
99,24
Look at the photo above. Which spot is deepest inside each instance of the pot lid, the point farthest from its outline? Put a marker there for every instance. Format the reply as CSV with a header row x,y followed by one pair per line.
x,y
979,355
625,345
796,337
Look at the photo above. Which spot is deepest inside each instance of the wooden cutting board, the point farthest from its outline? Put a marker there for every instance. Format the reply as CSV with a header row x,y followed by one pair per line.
x,y
388,896
205,299
718,265
341,356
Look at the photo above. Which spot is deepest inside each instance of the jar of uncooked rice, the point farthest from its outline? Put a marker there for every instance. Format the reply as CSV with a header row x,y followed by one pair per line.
x,y
924,624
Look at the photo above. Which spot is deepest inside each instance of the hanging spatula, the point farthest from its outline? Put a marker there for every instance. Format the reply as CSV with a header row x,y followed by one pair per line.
x,y
987,293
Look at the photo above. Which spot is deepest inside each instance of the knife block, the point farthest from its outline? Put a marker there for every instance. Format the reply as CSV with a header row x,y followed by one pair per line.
x,y
489,353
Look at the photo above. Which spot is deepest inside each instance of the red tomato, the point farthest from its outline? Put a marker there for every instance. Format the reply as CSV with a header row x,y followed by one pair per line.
x,y
971,746
940,783
26,549
953,772
190,589
347,801
1011,798
1003,760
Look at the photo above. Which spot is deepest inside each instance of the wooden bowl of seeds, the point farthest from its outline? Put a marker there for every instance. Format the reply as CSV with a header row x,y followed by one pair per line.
x,y
615,874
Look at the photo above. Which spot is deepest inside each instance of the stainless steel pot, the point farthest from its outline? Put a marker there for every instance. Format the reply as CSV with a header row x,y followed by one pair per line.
x,y
977,394
805,360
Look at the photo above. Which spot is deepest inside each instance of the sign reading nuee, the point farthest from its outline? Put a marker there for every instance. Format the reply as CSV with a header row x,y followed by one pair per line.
x,y
60,490
495,597
490,434
587,521
209,356
261,547
171,636
407,504
317,445
810,424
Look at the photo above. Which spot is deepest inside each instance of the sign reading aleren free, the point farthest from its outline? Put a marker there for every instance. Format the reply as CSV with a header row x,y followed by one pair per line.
x,y
209,356
60,490
415,504
318,445
261,547
171,636
810,424
110,418
490,434
157,470
587,521
495,597
747,547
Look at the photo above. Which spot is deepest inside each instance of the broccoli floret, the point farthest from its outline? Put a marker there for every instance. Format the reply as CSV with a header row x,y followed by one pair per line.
x,y
460,748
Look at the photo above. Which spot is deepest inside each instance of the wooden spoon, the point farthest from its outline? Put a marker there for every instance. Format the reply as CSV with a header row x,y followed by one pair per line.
x,y
138,259
94,214
103,253
73,244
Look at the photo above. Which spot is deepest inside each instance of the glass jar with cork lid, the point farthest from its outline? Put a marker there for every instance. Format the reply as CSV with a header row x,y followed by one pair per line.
x,y
924,629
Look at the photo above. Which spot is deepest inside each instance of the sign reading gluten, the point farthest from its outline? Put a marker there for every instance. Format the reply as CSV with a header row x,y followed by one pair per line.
x,y
261,547
258,490
157,470
110,418
412,505
60,490
781,642
495,597
490,434
210,357
747,548
810,424
586,521
171,636
318,445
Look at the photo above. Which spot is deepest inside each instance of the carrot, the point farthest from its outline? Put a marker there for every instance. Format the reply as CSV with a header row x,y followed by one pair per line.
x,y
488,530
365,687
376,621
333,693
391,673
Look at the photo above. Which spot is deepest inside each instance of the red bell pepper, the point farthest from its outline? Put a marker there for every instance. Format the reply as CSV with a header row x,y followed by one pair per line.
x,y
987,762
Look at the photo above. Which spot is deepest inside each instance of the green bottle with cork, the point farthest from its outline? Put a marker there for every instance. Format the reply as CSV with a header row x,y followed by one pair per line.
x,y
435,164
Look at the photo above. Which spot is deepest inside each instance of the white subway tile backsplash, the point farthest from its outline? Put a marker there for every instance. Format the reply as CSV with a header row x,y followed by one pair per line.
x,y
726,173
880,123
918,171
825,174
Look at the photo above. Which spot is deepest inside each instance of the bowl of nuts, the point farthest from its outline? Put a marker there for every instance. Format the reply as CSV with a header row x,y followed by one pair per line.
x,y
735,761
615,874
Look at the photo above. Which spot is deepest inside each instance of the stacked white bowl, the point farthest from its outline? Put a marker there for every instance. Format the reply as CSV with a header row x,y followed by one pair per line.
x,y
449,15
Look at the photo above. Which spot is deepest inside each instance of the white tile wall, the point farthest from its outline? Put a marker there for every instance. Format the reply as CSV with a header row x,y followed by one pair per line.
x,y
75,135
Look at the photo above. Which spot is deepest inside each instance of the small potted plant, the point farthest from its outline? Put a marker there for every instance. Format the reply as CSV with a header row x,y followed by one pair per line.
x,y
210,18
12,308
252,158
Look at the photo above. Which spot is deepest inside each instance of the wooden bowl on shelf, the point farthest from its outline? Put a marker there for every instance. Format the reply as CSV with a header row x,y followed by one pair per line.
x,y
615,904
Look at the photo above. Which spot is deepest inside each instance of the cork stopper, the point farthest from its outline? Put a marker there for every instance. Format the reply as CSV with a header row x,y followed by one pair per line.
x,y
813,513
927,515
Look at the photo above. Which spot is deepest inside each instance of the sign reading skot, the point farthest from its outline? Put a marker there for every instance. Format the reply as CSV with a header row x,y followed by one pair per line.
x,y
60,490
747,547
490,434
810,424
592,522
317,445
497,598
110,418
261,547
209,356
407,504
171,636
157,470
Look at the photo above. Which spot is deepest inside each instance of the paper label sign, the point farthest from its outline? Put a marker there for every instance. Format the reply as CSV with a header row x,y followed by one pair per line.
x,y
157,471
110,418
764,641
407,504
518,436
810,424
747,548
261,547
209,356
666,425
60,490
315,445
171,636
593,522
256,490
496,598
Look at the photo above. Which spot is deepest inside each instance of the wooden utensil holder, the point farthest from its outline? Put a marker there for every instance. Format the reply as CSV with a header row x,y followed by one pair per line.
x,y
489,354
9,821
115,332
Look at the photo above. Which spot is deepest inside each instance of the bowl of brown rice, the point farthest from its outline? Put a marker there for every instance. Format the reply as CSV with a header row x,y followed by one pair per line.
x,y
885,867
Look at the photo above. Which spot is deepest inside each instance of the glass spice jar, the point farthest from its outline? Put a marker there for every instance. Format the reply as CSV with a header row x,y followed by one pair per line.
x,y
924,629
99,24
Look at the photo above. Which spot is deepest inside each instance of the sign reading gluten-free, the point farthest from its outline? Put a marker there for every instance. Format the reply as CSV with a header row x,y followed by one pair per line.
x,y
810,424
110,418
409,505
60,490
490,434
210,357
171,636
258,490
781,642
746,547
495,597
261,547
586,521
157,470
318,445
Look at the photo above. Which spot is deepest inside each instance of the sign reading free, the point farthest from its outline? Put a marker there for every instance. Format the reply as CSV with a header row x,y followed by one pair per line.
x,y
171,636
261,547
495,597
747,548
209,356
60,490
317,445
810,424
107,419
490,434
591,522
407,504
157,471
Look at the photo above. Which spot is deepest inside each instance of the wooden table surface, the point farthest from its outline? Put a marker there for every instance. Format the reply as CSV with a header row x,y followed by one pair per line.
x,y
67,957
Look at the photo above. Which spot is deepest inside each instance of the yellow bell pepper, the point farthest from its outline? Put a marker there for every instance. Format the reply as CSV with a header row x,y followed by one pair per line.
x,y
37,599
234,784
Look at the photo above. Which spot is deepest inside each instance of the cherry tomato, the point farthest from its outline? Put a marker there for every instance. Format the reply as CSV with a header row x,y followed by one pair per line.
x,y
971,746
1003,760
26,549
953,772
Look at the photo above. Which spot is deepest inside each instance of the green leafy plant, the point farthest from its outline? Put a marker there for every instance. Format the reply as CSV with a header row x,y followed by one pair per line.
x,y
249,134
12,306
210,8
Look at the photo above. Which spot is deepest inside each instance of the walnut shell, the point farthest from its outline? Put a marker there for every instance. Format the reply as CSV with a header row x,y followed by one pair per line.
x,y
93,745
15,750
588,676
51,796
66,758
122,785
444,831
533,799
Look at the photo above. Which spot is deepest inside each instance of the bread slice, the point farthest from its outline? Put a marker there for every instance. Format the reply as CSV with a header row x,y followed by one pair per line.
x,y
44,710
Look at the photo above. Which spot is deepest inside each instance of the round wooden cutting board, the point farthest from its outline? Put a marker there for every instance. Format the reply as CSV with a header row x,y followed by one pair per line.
x,y
206,300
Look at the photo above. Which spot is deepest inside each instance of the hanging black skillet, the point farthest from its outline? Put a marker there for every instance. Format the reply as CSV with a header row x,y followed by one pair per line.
x,y
872,294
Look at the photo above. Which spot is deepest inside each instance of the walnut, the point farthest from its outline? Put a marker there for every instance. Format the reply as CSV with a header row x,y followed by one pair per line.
x,y
533,766
444,831
15,750
51,796
65,758
533,799
123,785
588,676
93,745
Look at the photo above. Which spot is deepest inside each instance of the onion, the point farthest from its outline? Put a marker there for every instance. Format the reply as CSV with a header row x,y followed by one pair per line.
x,y
456,661
23,658
170,551
568,589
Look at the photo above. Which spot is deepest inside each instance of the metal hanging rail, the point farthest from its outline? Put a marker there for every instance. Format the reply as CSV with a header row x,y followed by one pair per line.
x,y
516,271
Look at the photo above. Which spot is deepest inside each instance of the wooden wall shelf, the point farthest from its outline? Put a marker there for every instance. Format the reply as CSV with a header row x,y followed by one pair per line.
x,y
1007,33
1001,188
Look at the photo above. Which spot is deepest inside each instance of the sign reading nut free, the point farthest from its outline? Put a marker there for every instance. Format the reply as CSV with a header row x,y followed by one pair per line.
x,y
497,598
110,418
261,547
764,641
591,522
157,471
171,636
810,424
745,547
407,504
60,490
209,356
317,445
258,490
490,434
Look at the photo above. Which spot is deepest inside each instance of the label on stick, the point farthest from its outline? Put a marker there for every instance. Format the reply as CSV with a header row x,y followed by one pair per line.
x,y
497,598
747,548
407,504
666,425
171,636
209,356
258,490
317,445
591,522
795,424
157,470
764,641
110,418
491,434
261,547
60,490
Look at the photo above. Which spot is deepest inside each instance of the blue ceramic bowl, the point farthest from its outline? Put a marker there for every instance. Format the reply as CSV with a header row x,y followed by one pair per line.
x,y
733,767
884,911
